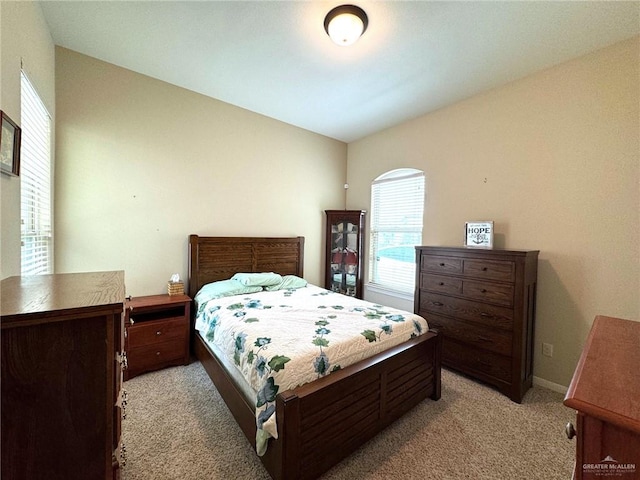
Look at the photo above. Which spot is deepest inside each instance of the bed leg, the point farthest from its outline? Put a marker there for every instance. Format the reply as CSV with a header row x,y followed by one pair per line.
x,y
282,458
437,370
288,414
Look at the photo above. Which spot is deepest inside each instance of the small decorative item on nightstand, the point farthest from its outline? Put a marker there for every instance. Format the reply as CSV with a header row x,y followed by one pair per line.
x,y
158,328
175,286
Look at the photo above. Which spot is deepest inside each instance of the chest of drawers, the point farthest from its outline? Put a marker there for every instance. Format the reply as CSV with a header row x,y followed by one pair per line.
x,y
62,338
483,303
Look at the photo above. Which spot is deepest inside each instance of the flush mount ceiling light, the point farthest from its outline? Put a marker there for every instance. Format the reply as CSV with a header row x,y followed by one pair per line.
x,y
345,24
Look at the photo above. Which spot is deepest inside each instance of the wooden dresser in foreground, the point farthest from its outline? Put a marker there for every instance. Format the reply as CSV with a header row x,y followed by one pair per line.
x,y
62,338
157,332
483,303
605,392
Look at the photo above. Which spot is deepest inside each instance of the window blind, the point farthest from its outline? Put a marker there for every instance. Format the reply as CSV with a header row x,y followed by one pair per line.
x,y
35,183
397,205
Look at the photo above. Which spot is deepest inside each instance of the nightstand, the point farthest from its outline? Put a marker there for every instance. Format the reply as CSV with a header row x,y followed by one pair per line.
x,y
157,332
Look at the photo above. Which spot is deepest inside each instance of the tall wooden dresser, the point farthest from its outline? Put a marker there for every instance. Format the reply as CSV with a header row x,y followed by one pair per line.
x,y
62,340
483,303
605,392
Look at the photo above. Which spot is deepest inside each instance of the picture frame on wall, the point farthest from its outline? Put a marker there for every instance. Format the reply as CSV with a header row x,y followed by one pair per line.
x,y
10,137
478,234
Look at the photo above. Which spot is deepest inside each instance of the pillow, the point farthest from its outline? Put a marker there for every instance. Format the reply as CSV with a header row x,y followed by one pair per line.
x,y
257,279
288,281
223,288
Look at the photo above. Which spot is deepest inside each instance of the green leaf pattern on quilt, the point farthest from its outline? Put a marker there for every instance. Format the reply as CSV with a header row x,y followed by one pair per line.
x,y
321,362
254,350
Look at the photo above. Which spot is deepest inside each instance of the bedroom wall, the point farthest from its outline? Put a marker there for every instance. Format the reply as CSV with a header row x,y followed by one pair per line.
x,y
553,159
141,164
24,39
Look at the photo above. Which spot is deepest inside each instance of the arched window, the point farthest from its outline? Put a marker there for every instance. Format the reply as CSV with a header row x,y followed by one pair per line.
x,y
397,204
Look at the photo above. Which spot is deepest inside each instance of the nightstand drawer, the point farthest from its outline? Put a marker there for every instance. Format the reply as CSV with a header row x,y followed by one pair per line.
x,y
490,270
442,284
158,331
151,356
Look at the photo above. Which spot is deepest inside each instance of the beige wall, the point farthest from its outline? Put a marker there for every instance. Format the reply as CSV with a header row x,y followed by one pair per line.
x,y
553,160
25,39
141,164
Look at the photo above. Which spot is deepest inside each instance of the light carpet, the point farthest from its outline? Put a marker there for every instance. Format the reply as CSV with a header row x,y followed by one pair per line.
x,y
178,427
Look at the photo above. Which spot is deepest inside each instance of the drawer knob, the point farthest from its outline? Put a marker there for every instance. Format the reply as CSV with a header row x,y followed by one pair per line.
x,y
570,431
442,264
159,332
438,304
441,283
157,354
484,269
484,290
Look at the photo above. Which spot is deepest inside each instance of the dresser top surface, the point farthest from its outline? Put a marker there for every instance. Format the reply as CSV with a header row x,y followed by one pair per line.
x,y
606,383
39,294
444,250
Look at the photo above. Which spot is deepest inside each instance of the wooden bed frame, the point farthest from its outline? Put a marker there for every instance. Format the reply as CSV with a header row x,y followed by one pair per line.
x,y
324,421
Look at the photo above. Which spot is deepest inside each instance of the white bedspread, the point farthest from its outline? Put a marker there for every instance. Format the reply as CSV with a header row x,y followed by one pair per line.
x,y
280,340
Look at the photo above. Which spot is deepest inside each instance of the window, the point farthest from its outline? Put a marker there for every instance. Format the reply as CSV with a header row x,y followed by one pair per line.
x,y
397,204
35,183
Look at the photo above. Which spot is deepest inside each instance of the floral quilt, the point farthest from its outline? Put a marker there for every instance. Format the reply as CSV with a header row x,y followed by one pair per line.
x,y
280,340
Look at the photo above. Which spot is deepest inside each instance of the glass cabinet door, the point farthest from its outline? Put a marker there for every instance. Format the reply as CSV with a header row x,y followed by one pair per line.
x,y
344,251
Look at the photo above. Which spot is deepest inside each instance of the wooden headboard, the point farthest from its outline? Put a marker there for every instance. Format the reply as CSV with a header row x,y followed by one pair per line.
x,y
218,258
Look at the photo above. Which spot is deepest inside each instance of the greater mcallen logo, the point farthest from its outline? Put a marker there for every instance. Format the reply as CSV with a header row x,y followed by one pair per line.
x,y
608,467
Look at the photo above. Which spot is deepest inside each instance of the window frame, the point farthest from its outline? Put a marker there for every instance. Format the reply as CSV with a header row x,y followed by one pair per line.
x,y
36,183
416,227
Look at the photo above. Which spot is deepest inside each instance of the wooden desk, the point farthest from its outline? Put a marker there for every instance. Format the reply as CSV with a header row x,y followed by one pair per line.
x,y
605,392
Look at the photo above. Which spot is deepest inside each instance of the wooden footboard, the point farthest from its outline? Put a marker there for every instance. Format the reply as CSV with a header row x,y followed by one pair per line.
x,y
323,422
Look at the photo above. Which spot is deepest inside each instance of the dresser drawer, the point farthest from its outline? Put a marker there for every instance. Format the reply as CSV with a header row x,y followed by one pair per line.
x,y
442,284
488,292
479,313
150,356
490,270
157,331
494,340
438,264
475,360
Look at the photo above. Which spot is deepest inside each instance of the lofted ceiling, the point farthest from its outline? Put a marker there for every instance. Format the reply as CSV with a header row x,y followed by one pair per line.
x,y
274,58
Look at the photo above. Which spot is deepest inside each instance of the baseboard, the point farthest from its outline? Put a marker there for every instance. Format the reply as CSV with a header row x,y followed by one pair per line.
x,y
541,382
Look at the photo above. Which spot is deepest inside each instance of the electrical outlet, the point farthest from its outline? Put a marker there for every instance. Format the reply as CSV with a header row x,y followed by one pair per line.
x,y
547,349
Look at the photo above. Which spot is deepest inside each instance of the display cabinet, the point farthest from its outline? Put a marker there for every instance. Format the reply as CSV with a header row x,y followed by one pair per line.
x,y
344,245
